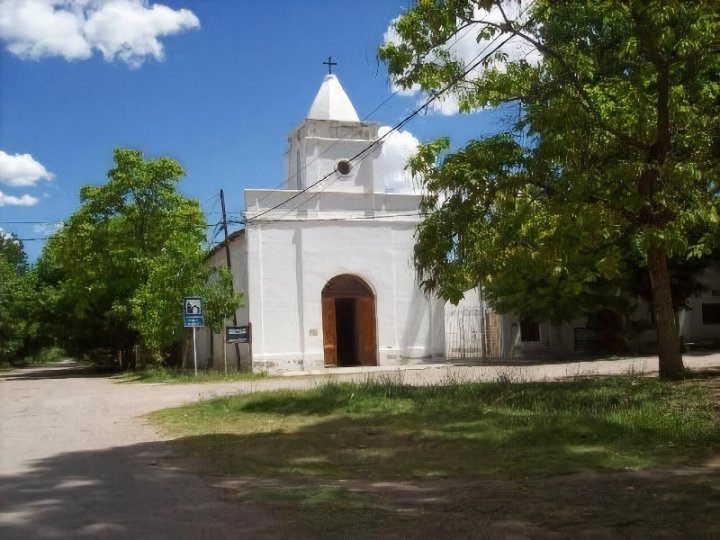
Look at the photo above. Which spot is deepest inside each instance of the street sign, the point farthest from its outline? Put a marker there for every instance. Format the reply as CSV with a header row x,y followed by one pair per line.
x,y
237,334
194,321
192,305
193,312
192,308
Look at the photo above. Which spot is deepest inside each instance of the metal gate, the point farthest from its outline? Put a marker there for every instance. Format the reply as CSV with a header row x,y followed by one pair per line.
x,y
464,332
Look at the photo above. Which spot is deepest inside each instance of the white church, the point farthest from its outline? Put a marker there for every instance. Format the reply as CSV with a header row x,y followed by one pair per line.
x,y
326,268
325,263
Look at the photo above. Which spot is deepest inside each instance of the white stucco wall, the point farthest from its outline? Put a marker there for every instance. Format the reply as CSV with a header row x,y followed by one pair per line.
x,y
317,146
290,262
692,326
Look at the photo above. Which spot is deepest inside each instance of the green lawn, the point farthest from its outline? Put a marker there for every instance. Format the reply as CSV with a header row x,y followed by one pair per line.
x,y
314,446
177,376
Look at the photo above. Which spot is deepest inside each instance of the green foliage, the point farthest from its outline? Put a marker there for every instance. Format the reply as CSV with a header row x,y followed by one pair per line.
x,y
623,115
118,269
497,216
18,298
221,302
46,355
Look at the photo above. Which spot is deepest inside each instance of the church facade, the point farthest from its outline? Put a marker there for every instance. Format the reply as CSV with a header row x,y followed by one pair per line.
x,y
325,264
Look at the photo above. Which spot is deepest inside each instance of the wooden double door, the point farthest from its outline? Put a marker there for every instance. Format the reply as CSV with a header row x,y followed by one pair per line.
x,y
349,324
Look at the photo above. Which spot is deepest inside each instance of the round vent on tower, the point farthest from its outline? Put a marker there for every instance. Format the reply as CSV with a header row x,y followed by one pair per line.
x,y
343,167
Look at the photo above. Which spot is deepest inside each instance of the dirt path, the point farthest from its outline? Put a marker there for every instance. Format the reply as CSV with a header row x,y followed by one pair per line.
x,y
76,460
76,463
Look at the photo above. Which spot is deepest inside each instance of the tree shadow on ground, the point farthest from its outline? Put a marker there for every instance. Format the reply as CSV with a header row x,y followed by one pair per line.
x,y
335,476
145,491
127,492
60,371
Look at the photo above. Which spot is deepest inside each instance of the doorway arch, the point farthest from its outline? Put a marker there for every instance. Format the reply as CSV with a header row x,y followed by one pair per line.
x,y
349,322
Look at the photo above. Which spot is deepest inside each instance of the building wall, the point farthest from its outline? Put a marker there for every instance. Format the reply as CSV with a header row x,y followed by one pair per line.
x,y
210,346
694,327
290,262
474,330
316,147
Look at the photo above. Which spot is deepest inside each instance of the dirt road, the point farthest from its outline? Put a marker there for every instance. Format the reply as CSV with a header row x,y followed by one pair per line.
x,y
77,460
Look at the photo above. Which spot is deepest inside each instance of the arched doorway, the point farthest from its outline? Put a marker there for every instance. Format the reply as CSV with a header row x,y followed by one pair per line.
x,y
348,317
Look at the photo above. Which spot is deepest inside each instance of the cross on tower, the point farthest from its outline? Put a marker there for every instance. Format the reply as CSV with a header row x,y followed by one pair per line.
x,y
330,64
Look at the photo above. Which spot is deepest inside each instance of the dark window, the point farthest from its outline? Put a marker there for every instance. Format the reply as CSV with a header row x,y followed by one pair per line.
x,y
343,167
529,330
711,313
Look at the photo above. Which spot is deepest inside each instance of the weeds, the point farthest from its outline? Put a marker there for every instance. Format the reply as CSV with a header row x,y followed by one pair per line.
x,y
176,376
386,429
384,459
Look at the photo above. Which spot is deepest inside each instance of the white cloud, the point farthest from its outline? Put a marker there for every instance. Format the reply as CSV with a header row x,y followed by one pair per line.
x,y
25,200
34,28
128,30
21,170
397,149
47,229
6,236
468,51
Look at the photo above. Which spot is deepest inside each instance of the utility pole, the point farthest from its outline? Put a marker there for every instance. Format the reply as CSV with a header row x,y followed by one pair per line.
x,y
229,267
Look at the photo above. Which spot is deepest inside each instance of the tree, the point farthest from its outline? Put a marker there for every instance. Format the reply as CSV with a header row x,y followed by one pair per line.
x,y
623,115
123,262
18,330
220,298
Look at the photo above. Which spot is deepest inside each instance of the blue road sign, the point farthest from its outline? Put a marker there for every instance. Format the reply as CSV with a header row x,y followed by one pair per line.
x,y
197,321
193,312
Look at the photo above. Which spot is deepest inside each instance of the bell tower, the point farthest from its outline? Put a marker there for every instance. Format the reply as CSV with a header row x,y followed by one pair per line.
x,y
328,151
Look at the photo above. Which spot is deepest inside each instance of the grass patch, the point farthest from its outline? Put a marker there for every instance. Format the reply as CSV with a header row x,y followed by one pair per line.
x,y
177,376
465,460
462,430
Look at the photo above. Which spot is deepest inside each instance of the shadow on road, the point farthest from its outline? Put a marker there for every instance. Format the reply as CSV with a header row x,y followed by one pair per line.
x,y
138,491
126,492
72,370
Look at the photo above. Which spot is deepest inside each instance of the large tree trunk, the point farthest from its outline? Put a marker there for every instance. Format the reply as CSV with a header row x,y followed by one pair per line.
x,y
668,344
669,355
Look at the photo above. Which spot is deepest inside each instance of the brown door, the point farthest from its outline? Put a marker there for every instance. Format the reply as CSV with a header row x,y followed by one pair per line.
x,y
367,341
329,333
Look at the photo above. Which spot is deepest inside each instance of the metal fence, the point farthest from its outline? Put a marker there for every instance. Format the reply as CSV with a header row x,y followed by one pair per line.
x,y
465,332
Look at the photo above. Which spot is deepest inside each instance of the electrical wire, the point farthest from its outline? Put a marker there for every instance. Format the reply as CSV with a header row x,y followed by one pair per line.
x,y
366,151
32,222
364,118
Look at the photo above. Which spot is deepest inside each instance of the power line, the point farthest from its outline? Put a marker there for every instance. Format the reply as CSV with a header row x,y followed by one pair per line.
x,y
402,123
368,115
32,222
365,152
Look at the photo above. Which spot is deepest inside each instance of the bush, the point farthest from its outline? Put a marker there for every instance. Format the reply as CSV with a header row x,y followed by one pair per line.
x,y
46,355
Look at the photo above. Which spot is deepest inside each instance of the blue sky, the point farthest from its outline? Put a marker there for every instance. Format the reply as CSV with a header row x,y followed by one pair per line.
x,y
233,79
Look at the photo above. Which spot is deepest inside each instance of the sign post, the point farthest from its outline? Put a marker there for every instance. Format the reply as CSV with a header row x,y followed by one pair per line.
x,y
240,334
225,344
237,334
193,318
194,351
